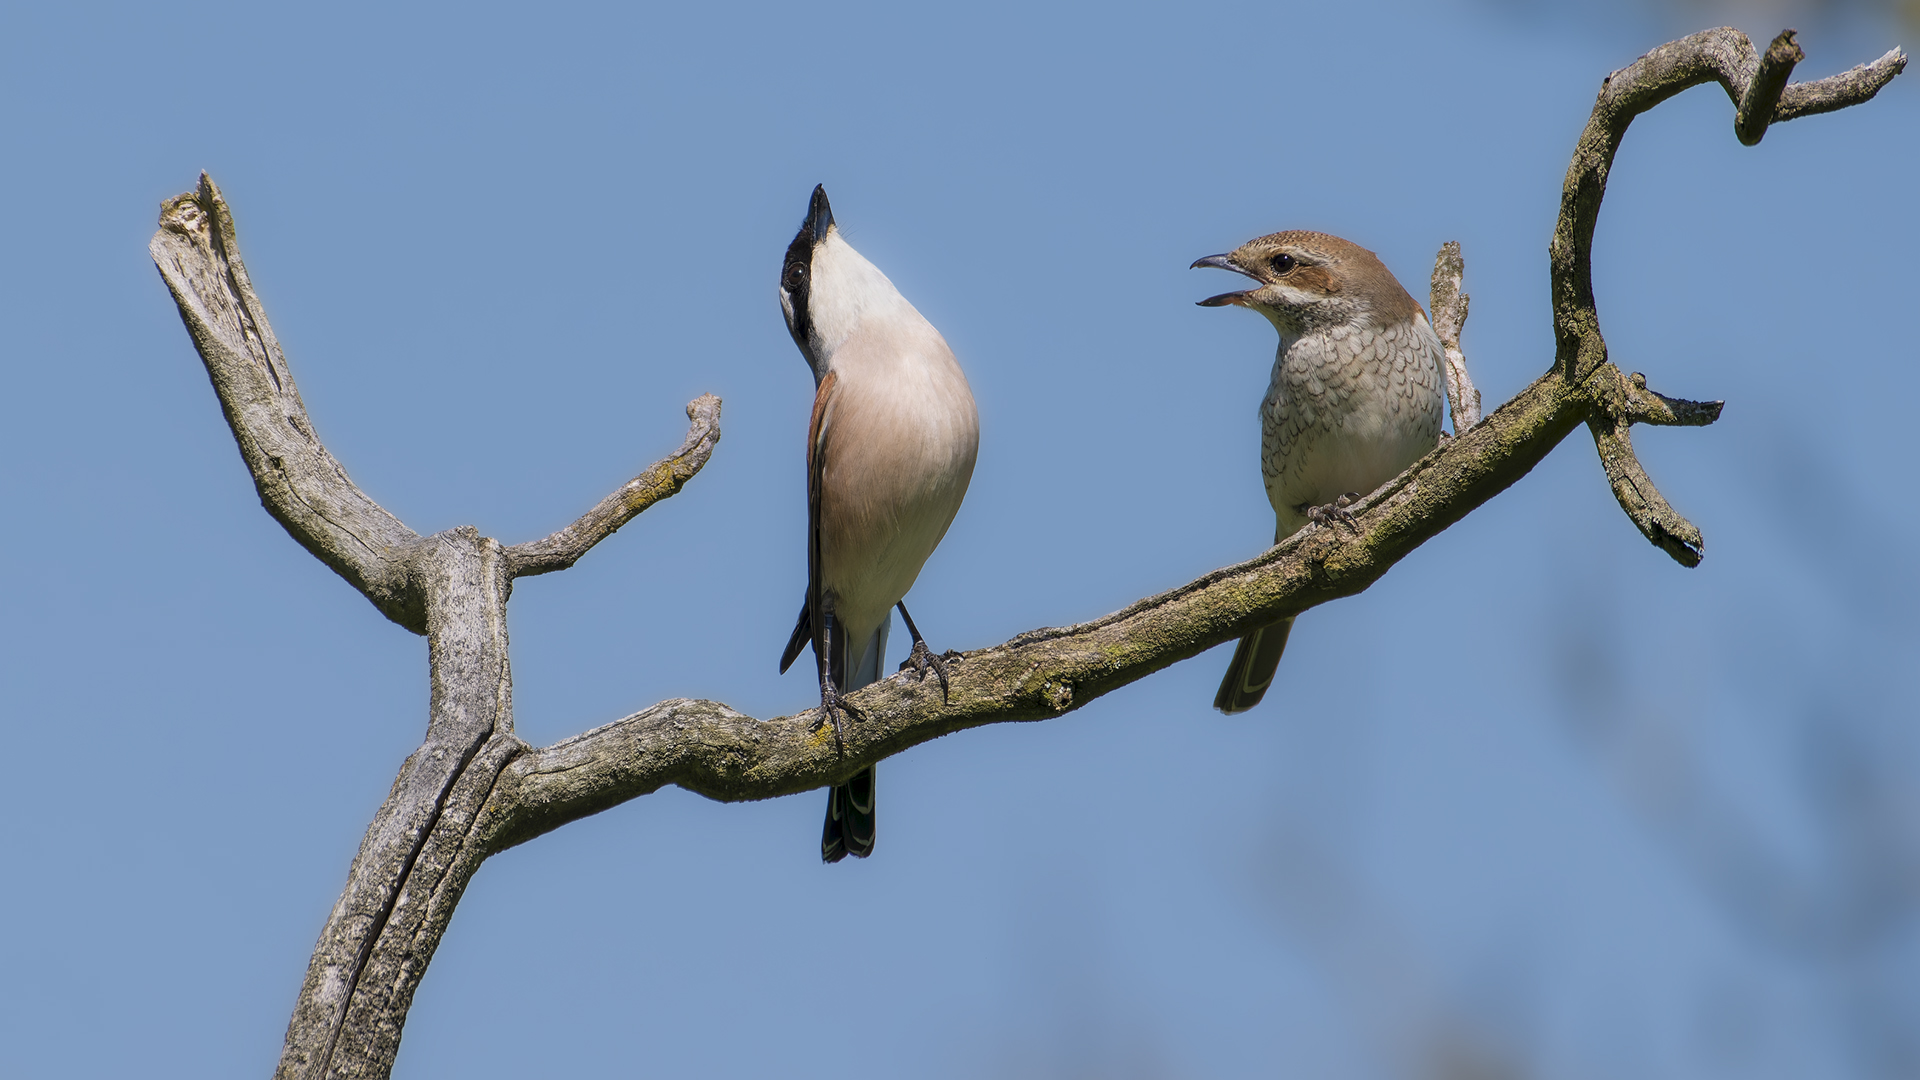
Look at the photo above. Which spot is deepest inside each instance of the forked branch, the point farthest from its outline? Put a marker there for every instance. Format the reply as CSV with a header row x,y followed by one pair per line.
x,y
197,251
451,586
1757,85
1725,56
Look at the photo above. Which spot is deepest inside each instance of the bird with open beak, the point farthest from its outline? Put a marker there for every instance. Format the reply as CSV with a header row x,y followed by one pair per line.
x,y
1356,396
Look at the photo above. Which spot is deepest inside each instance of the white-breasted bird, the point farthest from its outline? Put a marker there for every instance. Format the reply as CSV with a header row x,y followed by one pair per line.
x,y
890,450
1356,397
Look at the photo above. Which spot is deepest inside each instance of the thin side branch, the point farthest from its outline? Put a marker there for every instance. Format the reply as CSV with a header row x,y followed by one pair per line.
x,y
1644,406
1634,490
1850,87
663,480
300,484
1449,319
1620,402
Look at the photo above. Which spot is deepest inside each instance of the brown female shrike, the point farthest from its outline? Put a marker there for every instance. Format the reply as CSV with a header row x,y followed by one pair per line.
x,y
889,452
1356,397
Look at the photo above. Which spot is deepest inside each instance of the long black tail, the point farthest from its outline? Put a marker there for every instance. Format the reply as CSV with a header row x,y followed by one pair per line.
x,y
1251,672
849,829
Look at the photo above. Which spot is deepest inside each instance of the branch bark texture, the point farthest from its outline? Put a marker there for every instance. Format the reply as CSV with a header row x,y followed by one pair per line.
x,y
452,587
1449,319
474,788
300,484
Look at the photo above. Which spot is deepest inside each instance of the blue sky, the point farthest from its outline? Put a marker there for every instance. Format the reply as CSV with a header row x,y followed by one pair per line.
x,y
1539,797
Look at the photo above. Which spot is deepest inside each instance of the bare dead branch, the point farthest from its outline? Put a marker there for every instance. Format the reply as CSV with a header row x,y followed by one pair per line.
x,y
452,587
300,484
474,788
1620,402
710,749
1850,87
1644,406
372,930
367,1036
662,480
1644,505
1724,55
1449,319
1762,96
1754,83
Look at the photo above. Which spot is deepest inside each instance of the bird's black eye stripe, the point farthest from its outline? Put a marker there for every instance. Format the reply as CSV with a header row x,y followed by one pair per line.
x,y
1281,263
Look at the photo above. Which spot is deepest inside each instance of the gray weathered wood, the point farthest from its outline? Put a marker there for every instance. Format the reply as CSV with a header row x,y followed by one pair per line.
x,y
474,788
1449,319
300,484
452,587
1753,82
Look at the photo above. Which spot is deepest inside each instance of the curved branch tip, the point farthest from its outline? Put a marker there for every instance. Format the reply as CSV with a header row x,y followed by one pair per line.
x,y
1764,87
662,480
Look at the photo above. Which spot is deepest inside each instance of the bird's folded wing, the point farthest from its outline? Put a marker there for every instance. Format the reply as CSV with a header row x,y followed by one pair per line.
x,y
818,430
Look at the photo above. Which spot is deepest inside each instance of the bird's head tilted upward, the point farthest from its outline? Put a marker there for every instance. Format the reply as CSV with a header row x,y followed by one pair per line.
x,y
1309,280
796,274
827,288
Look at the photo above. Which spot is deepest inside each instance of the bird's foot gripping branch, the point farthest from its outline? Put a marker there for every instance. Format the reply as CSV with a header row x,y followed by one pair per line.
x,y
474,788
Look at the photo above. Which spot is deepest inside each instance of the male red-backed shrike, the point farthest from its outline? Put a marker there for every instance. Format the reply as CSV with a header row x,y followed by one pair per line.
x,y
1356,396
889,452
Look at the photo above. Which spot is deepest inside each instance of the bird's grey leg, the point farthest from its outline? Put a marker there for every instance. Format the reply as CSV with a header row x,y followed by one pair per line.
x,y
1335,512
831,703
922,658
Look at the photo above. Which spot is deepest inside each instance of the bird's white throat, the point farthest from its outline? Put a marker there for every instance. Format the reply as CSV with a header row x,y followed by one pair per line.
x,y
847,290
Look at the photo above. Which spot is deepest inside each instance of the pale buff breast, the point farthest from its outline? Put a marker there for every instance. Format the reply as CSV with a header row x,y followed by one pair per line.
x,y
900,449
1348,409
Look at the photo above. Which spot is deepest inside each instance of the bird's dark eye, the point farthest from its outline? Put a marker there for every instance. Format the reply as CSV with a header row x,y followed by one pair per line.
x,y
795,273
1282,263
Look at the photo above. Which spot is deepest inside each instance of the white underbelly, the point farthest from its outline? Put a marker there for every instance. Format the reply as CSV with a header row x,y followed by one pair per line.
x,y
883,515
866,579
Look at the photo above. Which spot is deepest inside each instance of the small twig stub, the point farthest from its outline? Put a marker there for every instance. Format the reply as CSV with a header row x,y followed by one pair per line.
x,y
1449,319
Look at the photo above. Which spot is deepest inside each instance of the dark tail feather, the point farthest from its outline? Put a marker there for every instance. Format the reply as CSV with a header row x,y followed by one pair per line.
x,y
849,829
1251,672
802,637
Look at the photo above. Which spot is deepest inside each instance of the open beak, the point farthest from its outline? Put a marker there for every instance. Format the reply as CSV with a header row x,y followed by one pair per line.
x,y
1221,262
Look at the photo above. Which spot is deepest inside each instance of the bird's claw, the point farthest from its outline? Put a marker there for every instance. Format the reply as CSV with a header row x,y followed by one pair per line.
x,y
922,658
1335,512
832,705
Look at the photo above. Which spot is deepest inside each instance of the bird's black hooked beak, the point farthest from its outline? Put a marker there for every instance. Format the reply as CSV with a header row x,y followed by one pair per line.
x,y
819,214
1221,262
